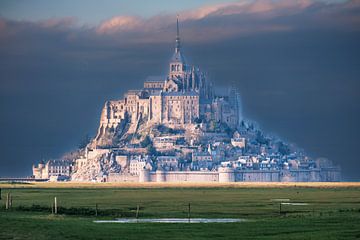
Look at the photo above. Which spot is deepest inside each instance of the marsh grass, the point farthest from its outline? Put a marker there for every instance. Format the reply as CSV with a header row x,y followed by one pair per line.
x,y
331,213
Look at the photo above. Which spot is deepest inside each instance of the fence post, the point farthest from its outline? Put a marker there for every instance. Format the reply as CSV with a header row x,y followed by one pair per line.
x,y
189,212
10,201
55,205
7,201
0,193
280,208
96,209
137,212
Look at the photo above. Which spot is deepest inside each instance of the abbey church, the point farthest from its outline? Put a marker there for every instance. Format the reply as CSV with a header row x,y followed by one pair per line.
x,y
182,97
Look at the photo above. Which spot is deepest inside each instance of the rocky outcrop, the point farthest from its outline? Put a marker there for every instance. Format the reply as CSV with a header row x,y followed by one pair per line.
x,y
96,168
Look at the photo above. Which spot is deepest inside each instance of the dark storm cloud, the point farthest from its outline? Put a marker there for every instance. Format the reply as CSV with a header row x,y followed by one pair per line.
x,y
296,64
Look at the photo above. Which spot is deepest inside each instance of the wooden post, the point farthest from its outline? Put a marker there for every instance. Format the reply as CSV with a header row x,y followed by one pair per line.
x,y
0,193
7,201
96,209
52,208
189,212
55,205
137,212
10,201
280,208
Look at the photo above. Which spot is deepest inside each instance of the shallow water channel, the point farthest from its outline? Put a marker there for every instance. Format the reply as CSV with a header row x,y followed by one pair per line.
x,y
172,220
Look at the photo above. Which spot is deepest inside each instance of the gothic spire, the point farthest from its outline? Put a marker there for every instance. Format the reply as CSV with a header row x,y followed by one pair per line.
x,y
177,47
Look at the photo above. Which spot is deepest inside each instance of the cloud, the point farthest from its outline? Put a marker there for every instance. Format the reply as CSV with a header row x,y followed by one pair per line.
x,y
243,17
119,23
2,24
58,23
127,23
246,7
208,23
205,11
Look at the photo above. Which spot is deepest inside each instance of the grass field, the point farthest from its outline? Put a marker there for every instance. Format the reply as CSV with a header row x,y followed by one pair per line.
x,y
332,211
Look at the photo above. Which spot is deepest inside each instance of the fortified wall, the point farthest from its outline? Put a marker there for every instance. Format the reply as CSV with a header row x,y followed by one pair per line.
x,y
232,175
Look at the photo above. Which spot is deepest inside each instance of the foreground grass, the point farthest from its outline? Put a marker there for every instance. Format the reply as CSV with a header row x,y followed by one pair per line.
x,y
179,184
332,213
205,202
43,226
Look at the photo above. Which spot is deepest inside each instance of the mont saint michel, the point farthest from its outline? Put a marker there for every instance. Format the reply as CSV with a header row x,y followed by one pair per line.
x,y
181,128
179,120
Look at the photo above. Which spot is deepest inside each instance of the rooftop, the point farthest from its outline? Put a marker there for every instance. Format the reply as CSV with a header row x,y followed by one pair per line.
x,y
180,94
155,79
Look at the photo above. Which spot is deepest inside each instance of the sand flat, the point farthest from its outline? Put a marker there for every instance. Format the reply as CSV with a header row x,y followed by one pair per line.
x,y
181,185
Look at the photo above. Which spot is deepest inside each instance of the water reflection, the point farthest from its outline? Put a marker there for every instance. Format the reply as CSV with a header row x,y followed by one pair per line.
x,y
172,220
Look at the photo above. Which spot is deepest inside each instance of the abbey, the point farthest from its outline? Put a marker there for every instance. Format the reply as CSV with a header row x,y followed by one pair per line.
x,y
182,97
178,129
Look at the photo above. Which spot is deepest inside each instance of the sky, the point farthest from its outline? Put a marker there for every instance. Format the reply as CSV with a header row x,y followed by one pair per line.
x,y
295,63
91,12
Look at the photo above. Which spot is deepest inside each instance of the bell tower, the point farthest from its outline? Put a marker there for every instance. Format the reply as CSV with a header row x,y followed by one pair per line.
x,y
177,63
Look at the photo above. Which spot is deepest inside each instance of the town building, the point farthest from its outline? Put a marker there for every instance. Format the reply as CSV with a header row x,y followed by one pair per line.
x,y
169,163
51,168
137,163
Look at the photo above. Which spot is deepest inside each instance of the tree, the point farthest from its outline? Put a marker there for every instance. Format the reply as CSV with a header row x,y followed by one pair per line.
x,y
212,126
151,150
261,139
198,120
146,142
227,129
284,149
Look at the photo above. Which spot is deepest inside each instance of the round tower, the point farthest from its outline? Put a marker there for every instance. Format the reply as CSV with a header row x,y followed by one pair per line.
x,y
226,174
144,175
41,165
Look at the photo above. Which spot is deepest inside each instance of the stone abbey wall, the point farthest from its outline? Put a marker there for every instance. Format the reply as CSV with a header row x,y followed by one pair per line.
x,y
231,175
184,176
116,177
257,176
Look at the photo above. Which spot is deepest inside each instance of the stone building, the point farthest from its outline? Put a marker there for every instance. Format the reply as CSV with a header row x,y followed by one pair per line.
x,y
168,163
137,163
176,100
52,168
237,140
164,143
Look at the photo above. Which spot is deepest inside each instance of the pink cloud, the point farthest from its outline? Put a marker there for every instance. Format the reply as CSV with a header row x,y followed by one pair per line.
x,y
258,7
65,22
210,22
2,24
207,10
246,7
268,5
119,23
